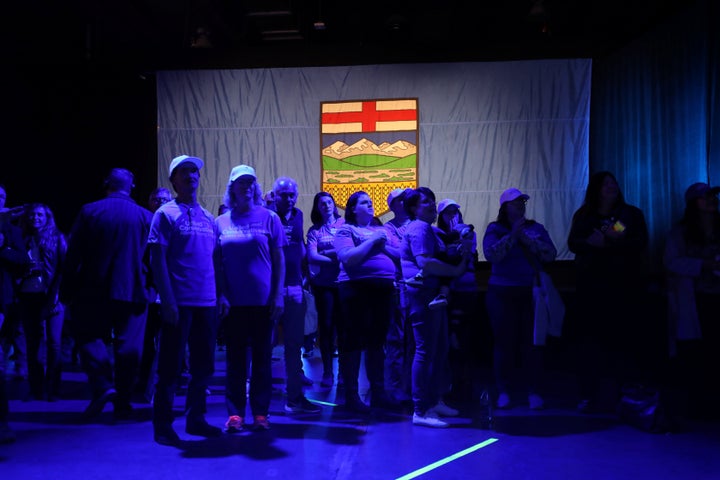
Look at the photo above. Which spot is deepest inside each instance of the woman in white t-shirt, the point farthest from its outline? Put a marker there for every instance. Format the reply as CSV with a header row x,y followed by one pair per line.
x,y
251,272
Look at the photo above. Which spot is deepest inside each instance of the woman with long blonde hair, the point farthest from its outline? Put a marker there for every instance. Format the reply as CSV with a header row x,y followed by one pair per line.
x,y
40,310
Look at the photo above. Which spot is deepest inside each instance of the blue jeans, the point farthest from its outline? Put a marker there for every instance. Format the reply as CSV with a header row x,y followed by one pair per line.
x,y
43,336
399,348
327,303
430,368
248,327
196,327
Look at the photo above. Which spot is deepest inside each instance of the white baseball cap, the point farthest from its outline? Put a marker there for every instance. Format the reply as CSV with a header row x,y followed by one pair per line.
x,y
398,192
511,194
177,161
240,171
446,203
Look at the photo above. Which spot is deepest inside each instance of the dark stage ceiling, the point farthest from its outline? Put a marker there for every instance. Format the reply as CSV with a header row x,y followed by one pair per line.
x,y
158,34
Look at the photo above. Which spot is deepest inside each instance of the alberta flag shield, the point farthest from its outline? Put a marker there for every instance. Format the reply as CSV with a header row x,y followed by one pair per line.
x,y
369,145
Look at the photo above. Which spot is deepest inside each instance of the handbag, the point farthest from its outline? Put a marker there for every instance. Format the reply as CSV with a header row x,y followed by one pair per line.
x,y
549,309
548,306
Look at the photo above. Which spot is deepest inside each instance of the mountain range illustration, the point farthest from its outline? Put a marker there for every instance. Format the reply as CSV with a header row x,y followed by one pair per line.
x,y
340,150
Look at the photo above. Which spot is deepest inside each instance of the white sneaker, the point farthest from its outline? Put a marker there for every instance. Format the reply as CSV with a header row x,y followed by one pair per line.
x,y
429,419
503,400
438,302
444,411
416,281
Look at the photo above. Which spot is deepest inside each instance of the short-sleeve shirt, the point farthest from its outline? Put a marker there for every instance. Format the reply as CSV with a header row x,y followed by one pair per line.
x,y
323,238
246,241
420,239
395,233
376,265
189,236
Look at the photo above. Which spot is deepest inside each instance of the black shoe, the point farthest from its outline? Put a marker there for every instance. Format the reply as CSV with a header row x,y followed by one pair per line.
x,y
166,436
123,411
32,397
383,401
97,404
354,404
201,428
302,406
6,433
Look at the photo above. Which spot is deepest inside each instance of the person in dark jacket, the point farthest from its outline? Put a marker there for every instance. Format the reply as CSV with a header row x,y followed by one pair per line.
x,y
105,286
12,259
609,238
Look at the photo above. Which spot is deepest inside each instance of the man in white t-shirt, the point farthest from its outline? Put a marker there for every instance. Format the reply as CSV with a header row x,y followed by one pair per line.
x,y
181,244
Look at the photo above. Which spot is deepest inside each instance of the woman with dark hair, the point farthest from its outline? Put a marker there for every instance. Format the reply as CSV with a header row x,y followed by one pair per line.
x,y
609,238
420,250
516,248
324,270
465,335
367,292
692,261
41,312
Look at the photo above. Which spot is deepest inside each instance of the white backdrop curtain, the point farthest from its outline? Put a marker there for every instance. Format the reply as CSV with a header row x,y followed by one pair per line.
x,y
483,127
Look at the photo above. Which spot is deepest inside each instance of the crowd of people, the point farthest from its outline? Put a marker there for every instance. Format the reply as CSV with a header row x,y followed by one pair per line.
x,y
160,282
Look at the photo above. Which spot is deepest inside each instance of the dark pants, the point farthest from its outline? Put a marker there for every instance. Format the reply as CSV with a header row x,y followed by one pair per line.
x,y
293,327
196,328
123,324
43,337
3,376
696,365
608,337
148,362
12,336
327,303
367,309
248,327
510,310
399,349
470,346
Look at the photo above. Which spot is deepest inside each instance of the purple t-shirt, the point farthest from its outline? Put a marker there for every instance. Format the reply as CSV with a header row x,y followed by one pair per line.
x,y
323,238
419,239
246,243
189,236
395,233
376,265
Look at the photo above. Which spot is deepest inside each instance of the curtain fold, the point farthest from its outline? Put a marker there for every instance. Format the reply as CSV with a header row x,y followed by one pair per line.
x,y
483,127
654,117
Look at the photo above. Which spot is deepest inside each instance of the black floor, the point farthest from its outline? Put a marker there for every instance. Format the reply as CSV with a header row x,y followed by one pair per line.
x,y
555,443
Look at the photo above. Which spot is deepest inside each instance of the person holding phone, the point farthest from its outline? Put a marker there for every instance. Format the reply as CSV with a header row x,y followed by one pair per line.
x,y
609,238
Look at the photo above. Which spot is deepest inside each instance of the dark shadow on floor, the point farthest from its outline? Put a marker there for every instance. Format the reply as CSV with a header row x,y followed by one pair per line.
x,y
551,425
